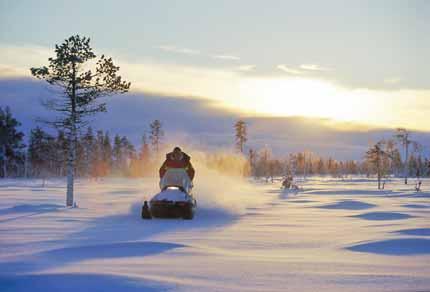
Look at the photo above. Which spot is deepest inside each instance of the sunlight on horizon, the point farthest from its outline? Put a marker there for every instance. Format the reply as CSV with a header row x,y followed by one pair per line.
x,y
281,97
275,96
298,97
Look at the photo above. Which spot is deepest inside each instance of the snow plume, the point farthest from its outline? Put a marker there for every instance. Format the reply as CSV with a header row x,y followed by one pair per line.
x,y
229,193
220,184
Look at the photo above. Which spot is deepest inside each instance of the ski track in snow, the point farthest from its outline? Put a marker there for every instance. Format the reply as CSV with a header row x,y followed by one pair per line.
x,y
337,235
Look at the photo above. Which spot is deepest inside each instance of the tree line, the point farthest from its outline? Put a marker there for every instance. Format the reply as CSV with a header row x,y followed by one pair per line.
x,y
399,156
97,153
100,155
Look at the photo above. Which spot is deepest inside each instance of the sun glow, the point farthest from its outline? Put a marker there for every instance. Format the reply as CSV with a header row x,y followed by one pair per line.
x,y
322,99
302,97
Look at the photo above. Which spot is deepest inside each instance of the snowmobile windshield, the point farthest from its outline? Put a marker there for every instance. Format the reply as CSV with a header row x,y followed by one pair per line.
x,y
176,177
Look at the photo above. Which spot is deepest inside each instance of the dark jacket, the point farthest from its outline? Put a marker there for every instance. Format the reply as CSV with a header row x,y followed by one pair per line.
x,y
173,163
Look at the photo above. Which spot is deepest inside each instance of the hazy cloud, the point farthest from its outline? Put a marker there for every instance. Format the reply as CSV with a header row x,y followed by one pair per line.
x,y
392,80
188,51
226,57
175,49
246,68
313,67
289,70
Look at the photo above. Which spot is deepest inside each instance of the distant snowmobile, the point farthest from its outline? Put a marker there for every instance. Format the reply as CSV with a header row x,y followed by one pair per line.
x,y
175,199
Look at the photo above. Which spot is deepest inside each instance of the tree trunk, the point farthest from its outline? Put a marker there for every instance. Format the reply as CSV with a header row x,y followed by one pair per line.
x,y
379,180
26,166
70,171
304,166
406,166
378,170
72,144
4,162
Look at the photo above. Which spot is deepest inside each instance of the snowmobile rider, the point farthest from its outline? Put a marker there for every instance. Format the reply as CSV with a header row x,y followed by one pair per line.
x,y
177,159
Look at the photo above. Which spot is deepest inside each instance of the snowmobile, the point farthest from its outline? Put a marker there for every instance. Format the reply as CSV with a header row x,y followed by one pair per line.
x,y
175,199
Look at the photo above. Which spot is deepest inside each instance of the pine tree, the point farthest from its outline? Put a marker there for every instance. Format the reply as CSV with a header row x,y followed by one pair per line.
x,y
144,150
241,135
156,135
88,144
11,141
106,155
61,149
129,154
81,88
144,156
117,155
41,153
97,167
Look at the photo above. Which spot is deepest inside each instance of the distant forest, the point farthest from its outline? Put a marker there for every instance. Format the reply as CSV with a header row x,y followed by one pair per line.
x,y
99,154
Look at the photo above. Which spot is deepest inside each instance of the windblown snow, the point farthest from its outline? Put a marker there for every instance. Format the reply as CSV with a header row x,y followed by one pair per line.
x,y
332,234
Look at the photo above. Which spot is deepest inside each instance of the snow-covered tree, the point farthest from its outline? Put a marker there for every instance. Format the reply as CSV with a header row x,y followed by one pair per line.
x,y
81,89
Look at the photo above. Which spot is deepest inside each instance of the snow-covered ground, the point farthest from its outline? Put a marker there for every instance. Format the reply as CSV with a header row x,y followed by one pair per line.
x,y
334,235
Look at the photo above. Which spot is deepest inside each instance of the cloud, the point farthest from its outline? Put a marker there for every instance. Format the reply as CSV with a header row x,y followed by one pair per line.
x,y
246,68
302,69
289,70
257,95
392,80
175,49
16,61
145,74
226,57
204,125
187,51
314,67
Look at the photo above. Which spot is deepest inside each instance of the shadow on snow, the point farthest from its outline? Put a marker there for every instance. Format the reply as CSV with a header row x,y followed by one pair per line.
x,y
415,231
75,282
381,216
348,205
402,246
28,210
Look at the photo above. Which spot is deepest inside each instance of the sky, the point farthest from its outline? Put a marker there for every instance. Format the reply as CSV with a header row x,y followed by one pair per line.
x,y
198,124
356,62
